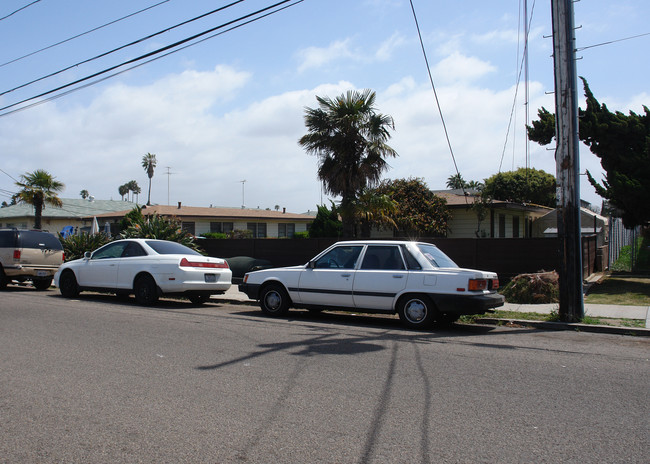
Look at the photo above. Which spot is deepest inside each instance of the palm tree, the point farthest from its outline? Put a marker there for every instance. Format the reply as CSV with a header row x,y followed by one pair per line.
x,y
474,185
149,163
456,182
134,188
123,190
84,194
38,189
349,137
374,209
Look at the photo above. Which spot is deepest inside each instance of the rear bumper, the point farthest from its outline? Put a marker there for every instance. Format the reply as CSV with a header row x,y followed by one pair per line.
x,y
467,304
21,270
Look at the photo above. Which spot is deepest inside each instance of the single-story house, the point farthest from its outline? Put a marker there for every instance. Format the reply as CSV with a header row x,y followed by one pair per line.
x,y
590,223
504,219
263,223
75,212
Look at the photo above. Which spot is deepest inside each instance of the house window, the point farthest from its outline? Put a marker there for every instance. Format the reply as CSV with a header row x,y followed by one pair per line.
x,y
258,229
188,227
221,227
502,225
286,230
515,226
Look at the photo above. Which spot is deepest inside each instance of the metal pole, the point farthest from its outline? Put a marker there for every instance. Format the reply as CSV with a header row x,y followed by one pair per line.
x,y
567,161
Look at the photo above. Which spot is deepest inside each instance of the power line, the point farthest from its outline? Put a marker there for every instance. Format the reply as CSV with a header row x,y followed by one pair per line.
x,y
19,9
63,94
83,33
611,42
122,47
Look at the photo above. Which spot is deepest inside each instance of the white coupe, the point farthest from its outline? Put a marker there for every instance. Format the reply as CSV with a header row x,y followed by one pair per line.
x,y
415,280
146,268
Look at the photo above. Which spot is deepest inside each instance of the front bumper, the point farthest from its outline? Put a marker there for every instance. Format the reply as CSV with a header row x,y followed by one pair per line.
x,y
251,290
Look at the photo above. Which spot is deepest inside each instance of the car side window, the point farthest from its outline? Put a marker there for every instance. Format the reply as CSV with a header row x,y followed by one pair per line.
x,y
341,257
112,250
133,249
382,257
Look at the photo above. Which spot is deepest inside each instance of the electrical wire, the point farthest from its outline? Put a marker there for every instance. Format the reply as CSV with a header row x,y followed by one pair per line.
x,y
97,81
442,118
611,42
122,47
19,9
83,33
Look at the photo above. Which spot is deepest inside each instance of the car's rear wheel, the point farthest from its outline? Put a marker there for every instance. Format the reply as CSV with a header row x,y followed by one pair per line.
x,y
68,285
42,284
416,311
145,290
274,300
199,299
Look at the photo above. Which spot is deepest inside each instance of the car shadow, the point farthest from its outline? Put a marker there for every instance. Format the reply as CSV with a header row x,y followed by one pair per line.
x,y
165,303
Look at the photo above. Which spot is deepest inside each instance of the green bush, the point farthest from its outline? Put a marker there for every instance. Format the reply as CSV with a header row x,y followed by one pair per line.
x,y
74,246
218,235
304,234
241,233
537,288
157,227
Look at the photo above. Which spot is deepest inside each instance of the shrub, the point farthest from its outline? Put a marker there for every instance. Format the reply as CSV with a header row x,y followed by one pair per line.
x,y
157,227
218,235
304,234
74,246
241,233
537,288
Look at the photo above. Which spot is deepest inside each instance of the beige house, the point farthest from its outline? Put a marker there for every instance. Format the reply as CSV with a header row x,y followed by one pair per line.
x,y
75,212
503,219
263,223
590,223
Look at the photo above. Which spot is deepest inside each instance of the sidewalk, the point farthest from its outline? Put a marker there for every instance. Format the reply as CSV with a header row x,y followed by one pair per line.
x,y
595,310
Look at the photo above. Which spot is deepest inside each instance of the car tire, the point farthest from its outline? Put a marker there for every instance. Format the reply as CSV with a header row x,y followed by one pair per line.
x,y
416,311
68,285
274,300
4,280
145,290
42,284
199,299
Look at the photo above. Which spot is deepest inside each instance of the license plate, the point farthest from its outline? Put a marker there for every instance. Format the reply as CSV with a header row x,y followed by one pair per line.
x,y
42,273
210,277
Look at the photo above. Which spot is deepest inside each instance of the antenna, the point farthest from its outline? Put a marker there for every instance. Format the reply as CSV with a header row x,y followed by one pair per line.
x,y
169,173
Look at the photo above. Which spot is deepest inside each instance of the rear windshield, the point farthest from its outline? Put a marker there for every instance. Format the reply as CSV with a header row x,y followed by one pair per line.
x,y
170,248
33,239
435,256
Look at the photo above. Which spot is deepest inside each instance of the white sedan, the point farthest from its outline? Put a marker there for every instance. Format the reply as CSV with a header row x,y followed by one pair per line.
x,y
415,280
147,268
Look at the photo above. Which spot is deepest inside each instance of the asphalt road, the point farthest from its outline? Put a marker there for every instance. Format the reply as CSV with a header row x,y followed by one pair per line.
x,y
102,380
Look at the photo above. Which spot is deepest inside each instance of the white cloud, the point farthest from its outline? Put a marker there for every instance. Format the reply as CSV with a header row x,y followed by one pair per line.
x,y
460,68
388,47
317,57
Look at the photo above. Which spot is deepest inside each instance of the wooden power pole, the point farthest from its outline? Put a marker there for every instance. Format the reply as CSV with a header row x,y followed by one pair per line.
x,y
567,161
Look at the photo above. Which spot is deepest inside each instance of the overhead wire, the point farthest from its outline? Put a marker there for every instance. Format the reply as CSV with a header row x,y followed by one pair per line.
x,y
19,9
579,49
97,81
435,93
82,34
122,47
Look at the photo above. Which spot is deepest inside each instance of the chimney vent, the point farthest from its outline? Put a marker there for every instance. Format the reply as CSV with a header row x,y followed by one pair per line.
x,y
179,205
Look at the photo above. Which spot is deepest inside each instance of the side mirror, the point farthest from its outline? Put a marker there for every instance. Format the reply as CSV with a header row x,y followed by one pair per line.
x,y
87,255
311,264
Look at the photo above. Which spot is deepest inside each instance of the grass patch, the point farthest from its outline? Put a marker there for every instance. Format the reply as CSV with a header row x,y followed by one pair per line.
x,y
554,317
620,290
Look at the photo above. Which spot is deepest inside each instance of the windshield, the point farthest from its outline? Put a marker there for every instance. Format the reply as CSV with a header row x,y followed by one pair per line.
x,y
170,248
435,256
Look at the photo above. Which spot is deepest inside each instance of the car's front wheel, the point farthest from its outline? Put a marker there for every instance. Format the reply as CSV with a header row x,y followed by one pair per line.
x,y
416,311
145,290
274,300
4,280
68,285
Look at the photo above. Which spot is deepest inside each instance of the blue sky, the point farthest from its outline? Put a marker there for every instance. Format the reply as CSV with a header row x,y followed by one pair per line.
x,y
231,108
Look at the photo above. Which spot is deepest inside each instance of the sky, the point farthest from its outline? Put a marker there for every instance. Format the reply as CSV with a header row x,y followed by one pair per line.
x,y
224,116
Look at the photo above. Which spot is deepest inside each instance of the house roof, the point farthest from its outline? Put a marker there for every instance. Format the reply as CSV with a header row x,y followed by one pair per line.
x,y
221,213
72,208
456,199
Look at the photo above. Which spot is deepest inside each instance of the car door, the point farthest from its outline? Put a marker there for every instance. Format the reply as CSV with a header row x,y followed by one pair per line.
x,y
100,270
381,276
132,261
328,280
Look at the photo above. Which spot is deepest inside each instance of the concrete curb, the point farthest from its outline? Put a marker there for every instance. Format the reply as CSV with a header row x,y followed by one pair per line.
x,y
636,331
610,329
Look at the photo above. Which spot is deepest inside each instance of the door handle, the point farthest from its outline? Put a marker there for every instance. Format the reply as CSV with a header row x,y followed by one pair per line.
x,y
346,275
397,276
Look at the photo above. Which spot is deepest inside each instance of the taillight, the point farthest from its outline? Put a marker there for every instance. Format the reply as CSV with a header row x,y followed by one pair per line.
x,y
495,284
63,257
187,263
16,254
476,285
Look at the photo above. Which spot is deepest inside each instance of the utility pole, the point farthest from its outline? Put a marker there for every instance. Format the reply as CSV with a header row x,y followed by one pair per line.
x,y
169,173
243,203
567,161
